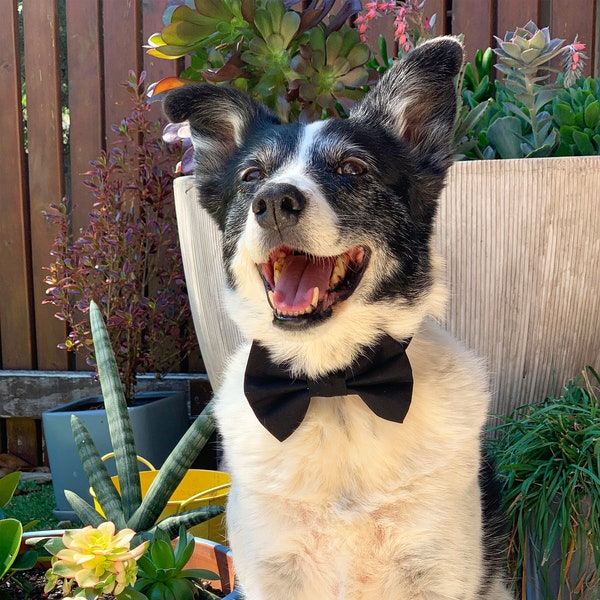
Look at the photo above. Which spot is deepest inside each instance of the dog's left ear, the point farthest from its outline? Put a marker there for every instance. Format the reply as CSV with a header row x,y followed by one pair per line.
x,y
219,118
416,101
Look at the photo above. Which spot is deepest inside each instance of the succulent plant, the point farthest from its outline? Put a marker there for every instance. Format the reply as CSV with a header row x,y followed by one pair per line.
x,y
93,561
129,510
276,50
576,112
477,83
524,58
162,572
518,122
329,71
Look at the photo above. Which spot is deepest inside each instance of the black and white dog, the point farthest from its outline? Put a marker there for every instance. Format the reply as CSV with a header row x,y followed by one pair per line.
x,y
351,421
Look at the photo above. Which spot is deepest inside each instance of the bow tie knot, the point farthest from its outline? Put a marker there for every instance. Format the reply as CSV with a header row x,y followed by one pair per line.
x,y
381,376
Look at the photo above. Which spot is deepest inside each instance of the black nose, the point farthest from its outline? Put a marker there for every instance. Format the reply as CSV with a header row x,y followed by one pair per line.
x,y
278,206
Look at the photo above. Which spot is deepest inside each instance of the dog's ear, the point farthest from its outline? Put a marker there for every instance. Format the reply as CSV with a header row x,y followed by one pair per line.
x,y
416,101
219,118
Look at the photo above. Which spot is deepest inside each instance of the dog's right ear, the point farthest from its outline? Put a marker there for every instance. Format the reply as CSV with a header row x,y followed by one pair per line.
x,y
219,120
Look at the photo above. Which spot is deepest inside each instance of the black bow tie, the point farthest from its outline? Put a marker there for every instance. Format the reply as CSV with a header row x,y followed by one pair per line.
x,y
381,376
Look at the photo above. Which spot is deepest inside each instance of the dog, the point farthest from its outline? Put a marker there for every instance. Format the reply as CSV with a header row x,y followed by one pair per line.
x,y
351,421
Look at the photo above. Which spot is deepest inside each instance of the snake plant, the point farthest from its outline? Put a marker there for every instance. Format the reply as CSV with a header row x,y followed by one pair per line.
x,y
129,509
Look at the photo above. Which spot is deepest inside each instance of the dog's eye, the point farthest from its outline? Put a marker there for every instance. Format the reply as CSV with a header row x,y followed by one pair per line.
x,y
252,175
352,166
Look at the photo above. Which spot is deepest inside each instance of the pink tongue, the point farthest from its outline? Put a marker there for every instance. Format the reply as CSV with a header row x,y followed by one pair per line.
x,y
295,287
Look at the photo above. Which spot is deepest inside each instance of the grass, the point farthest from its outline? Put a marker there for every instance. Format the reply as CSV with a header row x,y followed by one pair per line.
x,y
35,503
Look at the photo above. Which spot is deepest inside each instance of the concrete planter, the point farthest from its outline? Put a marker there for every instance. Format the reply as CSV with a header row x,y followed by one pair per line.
x,y
521,241
159,420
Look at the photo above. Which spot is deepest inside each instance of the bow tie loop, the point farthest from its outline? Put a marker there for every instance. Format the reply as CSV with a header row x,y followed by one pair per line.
x,y
381,376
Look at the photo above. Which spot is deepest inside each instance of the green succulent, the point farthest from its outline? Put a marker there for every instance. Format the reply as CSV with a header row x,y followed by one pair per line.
x,y
477,85
161,570
576,112
128,509
329,70
518,123
209,22
291,60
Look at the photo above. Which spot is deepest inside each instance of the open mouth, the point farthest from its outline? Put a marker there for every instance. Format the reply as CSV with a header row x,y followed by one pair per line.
x,y
303,288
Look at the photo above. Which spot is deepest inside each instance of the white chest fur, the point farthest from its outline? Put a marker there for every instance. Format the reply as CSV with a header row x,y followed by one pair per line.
x,y
352,506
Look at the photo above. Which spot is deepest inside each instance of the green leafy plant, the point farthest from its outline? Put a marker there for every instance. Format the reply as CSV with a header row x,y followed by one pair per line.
x,y
576,113
11,530
549,456
162,572
128,509
303,62
477,79
90,562
127,258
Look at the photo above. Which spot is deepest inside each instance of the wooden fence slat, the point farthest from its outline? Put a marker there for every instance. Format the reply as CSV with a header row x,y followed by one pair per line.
x,y
437,8
44,133
156,68
84,51
122,53
15,260
474,19
515,13
567,22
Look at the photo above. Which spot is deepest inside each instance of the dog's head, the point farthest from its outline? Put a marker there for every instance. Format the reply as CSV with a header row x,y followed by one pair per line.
x,y
327,226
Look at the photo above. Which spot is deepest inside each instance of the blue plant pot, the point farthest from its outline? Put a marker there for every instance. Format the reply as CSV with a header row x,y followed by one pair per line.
x,y
158,419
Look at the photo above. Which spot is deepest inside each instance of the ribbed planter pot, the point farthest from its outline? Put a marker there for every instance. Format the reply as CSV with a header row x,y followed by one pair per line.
x,y
158,419
200,241
521,241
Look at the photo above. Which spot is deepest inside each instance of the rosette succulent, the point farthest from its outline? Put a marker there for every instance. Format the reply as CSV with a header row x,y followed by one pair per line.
x,y
93,561
329,71
299,60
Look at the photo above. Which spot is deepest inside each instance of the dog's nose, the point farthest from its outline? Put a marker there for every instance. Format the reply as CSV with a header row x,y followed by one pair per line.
x,y
278,206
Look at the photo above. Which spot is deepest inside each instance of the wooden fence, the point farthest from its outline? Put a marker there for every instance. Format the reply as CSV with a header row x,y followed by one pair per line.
x,y
73,55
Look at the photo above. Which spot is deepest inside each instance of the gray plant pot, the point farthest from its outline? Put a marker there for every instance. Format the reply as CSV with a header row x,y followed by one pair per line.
x,y
159,420
546,581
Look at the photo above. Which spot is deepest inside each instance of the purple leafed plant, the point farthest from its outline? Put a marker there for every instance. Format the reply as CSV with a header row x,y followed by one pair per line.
x,y
127,258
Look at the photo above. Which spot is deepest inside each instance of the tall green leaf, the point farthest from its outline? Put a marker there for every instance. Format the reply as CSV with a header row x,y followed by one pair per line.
x,y
97,474
173,470
119,425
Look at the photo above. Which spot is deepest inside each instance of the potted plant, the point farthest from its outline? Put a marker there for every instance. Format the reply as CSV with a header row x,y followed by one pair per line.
x,y
95,561
548,454
130,517
128,260
12,560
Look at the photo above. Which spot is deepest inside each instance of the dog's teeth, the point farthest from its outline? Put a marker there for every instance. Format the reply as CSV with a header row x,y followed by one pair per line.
x,y
278,266
271,294
339,272
315,299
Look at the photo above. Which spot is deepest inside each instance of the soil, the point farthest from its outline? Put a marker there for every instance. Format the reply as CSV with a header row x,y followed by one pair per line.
x,y
37,579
